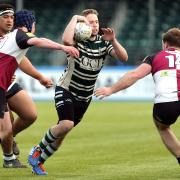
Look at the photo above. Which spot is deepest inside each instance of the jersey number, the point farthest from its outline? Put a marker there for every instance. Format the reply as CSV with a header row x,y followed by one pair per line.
x,y
174,61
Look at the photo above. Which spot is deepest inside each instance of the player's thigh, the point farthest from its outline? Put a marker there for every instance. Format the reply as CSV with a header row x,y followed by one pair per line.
x,y
22,104
166,113
80,107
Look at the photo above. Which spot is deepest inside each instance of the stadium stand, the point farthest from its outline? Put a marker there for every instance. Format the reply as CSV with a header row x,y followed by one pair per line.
x,y
136,33
51,20
106,9
53,17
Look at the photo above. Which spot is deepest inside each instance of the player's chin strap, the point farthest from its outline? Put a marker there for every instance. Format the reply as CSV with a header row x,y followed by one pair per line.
x,y
6,12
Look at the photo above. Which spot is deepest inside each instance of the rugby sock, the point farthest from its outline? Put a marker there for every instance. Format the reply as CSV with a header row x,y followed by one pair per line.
x,y
9,157
48,151
47,139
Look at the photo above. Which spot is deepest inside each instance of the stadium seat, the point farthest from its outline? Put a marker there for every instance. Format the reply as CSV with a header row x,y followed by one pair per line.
x,y
135,31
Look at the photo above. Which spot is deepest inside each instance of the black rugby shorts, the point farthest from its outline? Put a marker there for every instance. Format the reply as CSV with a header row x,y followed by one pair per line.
x,y
68,108
166,113
13,90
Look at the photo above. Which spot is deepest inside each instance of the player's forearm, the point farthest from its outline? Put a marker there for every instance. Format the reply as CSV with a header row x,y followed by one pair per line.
x,y
126,81
68,34
29,69
119,50
45,43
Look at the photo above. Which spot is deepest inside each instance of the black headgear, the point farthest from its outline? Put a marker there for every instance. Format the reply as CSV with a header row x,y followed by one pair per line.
x,y
24,18
6,8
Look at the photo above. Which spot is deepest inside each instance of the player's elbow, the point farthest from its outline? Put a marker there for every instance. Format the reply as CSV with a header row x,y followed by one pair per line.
x,y
122,56
125,58
66,41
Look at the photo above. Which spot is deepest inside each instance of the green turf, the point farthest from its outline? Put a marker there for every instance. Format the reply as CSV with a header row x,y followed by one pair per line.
x,y
115,141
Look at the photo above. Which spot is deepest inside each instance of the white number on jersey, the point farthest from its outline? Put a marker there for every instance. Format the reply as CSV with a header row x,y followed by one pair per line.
x,y
174,61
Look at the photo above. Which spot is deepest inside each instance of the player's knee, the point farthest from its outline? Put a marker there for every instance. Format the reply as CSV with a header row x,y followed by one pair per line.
x,y
69,125
162,127
7,132
66,125
31,118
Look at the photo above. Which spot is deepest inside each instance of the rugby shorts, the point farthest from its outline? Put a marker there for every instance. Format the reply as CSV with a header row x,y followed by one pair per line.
x,y
68,108
14,89
167,112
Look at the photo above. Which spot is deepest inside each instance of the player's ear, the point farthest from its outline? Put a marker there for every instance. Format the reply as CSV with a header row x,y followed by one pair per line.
x,y
165,45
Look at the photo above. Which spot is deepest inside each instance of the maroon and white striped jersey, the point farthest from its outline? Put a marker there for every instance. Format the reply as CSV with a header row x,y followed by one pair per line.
x,y
13,47
166,75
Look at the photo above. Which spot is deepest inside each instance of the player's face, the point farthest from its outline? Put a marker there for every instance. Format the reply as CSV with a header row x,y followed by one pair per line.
x,y
94,23
6,23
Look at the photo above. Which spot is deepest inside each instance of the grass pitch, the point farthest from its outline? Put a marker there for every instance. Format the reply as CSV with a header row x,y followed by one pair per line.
x,y
115,141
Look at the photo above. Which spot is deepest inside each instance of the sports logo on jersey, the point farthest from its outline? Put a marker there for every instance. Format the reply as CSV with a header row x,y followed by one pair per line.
x,y
30,34
164,73
91,64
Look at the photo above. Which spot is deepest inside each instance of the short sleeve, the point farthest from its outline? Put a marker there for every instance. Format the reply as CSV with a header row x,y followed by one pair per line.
x,y
148,60
22,38
109,47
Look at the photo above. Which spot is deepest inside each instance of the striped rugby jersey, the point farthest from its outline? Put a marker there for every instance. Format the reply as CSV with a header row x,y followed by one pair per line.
x,y
81,73
166,75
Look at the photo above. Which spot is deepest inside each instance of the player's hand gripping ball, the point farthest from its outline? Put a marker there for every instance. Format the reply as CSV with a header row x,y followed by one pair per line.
x,y
82,31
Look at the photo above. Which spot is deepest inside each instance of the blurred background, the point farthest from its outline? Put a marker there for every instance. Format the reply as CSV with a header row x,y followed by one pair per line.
x,y
138,24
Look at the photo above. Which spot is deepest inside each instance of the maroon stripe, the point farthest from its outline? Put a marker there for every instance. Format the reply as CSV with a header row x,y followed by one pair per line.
x,y
8,66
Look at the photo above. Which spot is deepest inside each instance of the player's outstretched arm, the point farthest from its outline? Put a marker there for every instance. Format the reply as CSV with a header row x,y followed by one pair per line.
x,y
47,43
29,69
126,81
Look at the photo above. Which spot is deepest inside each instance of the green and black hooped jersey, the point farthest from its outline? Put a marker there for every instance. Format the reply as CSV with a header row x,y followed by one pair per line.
x,y
81,73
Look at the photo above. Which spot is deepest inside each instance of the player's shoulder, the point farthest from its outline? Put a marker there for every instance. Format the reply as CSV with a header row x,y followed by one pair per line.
x,y
161,54
12,33
155,56
149,59
29,34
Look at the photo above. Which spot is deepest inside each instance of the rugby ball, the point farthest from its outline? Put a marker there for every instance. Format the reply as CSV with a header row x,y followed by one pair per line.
x,y
82,31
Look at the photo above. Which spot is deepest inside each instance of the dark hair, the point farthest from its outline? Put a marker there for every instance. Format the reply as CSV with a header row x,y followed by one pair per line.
x,y
172,37
89,11
6,8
